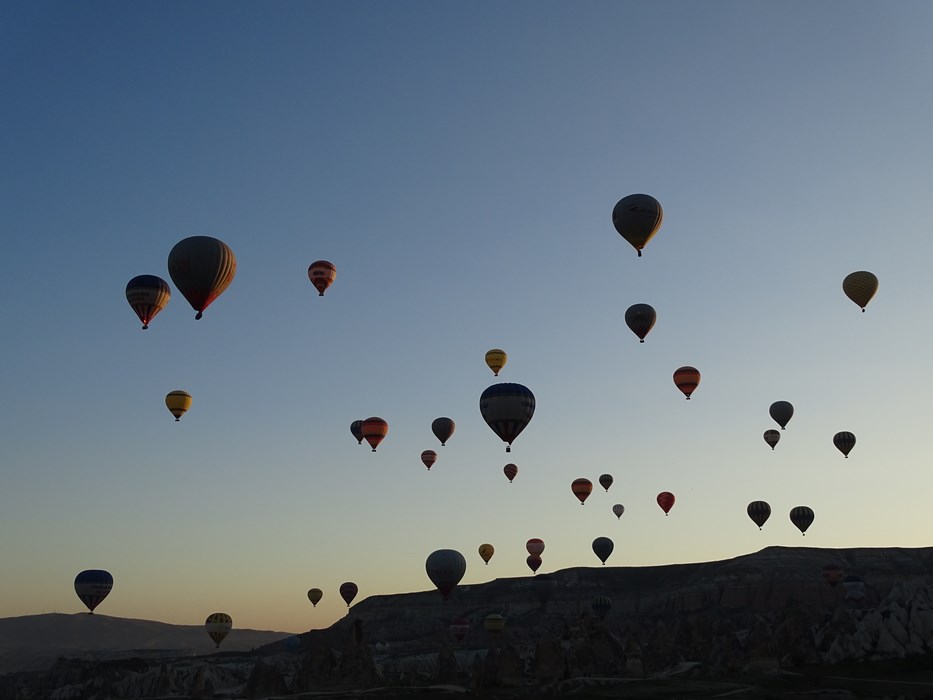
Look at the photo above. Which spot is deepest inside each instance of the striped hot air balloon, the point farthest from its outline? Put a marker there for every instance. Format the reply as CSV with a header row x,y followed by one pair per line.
x,y
844,442
147,295
759,512
802,518
535,546
601,606
687,379
443,428
374,429
218,626
666,501
637,218
92,586
201,268
582,488
618,509
178,402
494,623
496,359
605,480
507,408
356,430
429,457
322,274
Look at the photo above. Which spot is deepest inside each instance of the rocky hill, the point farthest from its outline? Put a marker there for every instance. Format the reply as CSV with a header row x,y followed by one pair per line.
x,y
769,624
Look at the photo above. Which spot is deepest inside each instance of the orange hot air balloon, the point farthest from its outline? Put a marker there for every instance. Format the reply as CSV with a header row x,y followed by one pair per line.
x,y
322,274
374,430
535,547
666,501
637,218
201,268
581,489
486,551
147,295
534,562
687,379
860,287
429,457
511,471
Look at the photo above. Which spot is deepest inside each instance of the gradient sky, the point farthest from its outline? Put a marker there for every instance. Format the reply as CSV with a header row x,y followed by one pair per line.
x,y
458,163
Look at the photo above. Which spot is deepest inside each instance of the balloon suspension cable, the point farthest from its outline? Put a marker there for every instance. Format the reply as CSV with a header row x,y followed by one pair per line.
x,y
198,318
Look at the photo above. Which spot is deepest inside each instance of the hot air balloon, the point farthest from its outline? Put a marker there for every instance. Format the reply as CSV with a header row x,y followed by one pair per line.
x,y
601,606
445,568
781,412
443,428
92,586
459,627
178,402
510,471
533,561
218,626
605,480
356,430
640,319
494,623
581,489
802,517
759,512
637,218
147,296
374,429
201,268
429,457
535,546
322,274
507,409
315,595
618,509
348,591
832,574
543,587
860,287
772,437
844,442
496,360
602,548
486,551
666,501
687,379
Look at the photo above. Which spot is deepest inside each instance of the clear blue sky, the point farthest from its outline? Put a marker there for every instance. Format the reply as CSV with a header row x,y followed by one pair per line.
x,y
458,163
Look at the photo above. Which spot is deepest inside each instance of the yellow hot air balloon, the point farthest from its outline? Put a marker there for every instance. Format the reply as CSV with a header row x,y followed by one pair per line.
x,y
496,360
178,402
860,287
218,626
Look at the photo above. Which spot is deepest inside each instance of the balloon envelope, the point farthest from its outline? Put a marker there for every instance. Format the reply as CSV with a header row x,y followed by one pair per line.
x,y
772,437
687,379
666,501
618,509
147,295
322,274
443,428
92,586
802,518
507,408
178,402
315,595
781,412
637,218
445,568
356,430
348,591
581,489
496,359
374,429
535,546
844,442
201,268
218,626
602,548
429,457
640,318
605,480
511,471
486,551
759,512
533,561
860,287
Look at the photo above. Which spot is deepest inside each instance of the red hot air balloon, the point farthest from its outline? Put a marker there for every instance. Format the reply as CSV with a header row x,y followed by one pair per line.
x,y
147,295
348,592
429,457
605,480
374,429
666,501
535,546
802,518
507,408
687,379
759,512
443,428
844,442
445,568
581,489
640,319
511,471
201,268
534,562
772,437
356,430
322,274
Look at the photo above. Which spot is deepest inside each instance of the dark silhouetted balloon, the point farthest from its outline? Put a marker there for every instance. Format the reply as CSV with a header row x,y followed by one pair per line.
x,y
510,471
781,412
201,268
640,319
374,429
602,548
147,296
315,595
687,379
533,561
772,437
802,518
637,218
666,501
445,568
348,591
429,457
535,546
322,274
581,489
443,428
844,442
759,512
356,430
507,408
218,626
618,509
605,480
92,586
486,551
860,287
